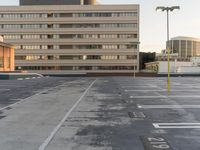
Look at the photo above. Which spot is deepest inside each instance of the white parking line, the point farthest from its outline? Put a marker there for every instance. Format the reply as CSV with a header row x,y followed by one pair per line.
x,y
176,83
155,86
161,90
52,134
167,106
167,96
177,125
27,78
7,85
15,99
147,97
136,90
4,89
136,86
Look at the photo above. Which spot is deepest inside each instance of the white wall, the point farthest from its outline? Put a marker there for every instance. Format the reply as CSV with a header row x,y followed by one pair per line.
x,y
191,69
163,66
195,61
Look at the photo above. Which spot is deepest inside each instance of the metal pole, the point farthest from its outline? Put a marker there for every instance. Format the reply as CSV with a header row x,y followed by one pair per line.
x,y
168,58
167,24
168,9
134,71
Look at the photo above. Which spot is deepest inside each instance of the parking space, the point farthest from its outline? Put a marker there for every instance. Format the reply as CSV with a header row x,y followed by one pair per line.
x,y
12,91
108,113
174,113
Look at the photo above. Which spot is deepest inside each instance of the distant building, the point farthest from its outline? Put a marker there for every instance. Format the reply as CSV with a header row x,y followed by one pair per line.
x,y
184,52
184,46
173,57
162,66
6,56
146,57
193,69
73,39
187,66
57,2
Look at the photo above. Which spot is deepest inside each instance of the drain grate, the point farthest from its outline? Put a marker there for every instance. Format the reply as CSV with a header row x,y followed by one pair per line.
x,y
136,114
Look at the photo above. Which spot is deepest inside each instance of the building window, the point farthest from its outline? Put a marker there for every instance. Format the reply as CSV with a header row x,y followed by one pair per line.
x,y
103,14
30,16
12,36
101,25
31,36
23,15
18,47
11,26
31,47
11,16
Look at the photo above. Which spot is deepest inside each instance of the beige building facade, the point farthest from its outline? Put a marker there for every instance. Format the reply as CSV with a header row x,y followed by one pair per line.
x,y
185,47
6,57
73,39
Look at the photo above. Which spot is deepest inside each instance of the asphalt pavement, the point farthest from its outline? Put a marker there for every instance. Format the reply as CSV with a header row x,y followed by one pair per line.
x,y
107,113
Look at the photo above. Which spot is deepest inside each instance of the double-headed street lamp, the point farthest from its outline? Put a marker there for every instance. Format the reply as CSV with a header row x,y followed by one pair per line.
x,y
168,9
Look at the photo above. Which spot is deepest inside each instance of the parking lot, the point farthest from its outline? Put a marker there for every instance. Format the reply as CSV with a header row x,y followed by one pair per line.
x,y
107,113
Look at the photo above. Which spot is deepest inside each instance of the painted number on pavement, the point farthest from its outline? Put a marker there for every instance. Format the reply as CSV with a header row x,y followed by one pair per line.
x,y
155,143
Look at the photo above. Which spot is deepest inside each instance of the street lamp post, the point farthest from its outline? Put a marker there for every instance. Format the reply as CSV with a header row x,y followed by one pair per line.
x,y
168,9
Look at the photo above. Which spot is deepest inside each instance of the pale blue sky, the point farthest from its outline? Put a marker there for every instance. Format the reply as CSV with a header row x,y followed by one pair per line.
x,y
185,22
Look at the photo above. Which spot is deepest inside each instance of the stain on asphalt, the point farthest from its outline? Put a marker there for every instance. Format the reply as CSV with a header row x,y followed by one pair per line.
x,y
1,117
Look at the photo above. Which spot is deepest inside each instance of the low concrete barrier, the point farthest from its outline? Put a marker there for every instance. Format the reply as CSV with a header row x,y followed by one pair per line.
x,y
15,76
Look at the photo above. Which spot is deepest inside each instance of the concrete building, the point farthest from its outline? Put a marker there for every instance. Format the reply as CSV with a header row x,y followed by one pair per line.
x,y
187,66
64,39
184,46
57,2
193,69
162,66
6,56
173,57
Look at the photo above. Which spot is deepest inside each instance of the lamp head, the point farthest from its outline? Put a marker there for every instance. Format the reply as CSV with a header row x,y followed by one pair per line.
x,y
160,8
174,8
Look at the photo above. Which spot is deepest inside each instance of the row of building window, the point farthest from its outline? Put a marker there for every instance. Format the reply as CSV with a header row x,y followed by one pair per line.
x,y
51,15
70,36
6,60
97,25
75,57
109,14
46,26
76,68
23,26
104,46
23,15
